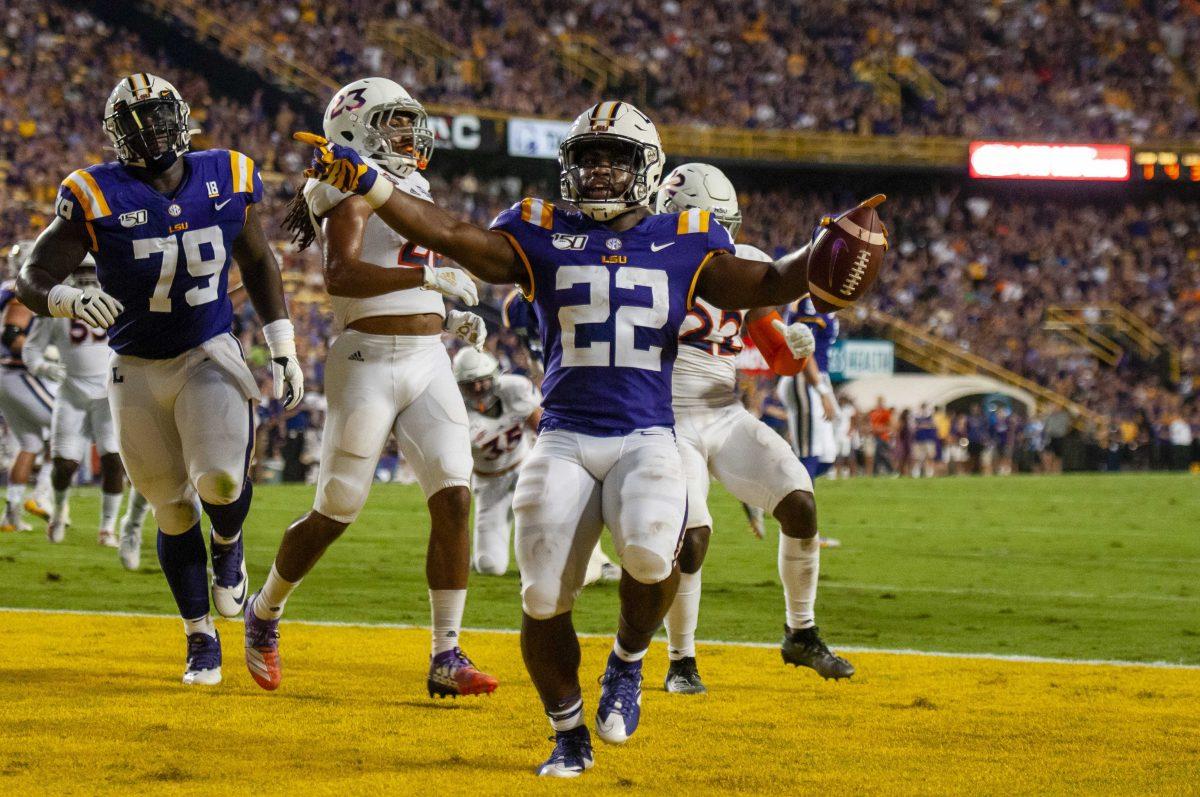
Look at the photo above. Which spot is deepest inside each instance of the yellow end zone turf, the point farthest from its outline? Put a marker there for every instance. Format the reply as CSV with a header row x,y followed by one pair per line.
x,y
93,704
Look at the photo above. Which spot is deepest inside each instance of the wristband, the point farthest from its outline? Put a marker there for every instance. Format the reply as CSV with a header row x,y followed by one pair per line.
x,y
379,193
60,299
281,338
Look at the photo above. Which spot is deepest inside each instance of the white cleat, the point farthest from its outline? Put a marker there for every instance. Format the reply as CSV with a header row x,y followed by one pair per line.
x,y
203,661
609,573
130,546
107,538
231,601
56,529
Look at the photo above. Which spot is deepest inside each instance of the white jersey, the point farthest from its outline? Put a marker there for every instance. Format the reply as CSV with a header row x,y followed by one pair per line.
x,y
82,350
500,443
709,340
381,246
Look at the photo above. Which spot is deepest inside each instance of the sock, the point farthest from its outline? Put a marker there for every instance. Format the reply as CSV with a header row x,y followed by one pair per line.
x,y
567,718
273,595
200,625
42,487
446,606
135,512
60,503
682,618
16,497
110,503
625,656
184,562
799,562
227,519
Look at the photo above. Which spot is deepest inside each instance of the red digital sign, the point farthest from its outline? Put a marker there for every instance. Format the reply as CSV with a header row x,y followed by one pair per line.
x,y
1013,160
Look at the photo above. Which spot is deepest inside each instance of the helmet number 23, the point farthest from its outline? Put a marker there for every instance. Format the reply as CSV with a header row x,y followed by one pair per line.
x,y
622,352
198,264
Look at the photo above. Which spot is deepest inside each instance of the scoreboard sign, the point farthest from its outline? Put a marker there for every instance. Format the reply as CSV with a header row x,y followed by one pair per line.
x,y
1015,160
1167,165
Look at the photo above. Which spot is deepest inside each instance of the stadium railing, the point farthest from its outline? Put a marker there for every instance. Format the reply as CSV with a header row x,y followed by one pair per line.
x,y
935,355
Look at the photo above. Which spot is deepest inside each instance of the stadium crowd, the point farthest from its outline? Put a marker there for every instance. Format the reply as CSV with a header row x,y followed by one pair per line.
x,y
922,67
977,270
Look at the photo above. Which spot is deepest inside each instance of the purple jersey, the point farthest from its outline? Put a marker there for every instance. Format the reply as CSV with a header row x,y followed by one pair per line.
x,y
824,327
165,258
609,306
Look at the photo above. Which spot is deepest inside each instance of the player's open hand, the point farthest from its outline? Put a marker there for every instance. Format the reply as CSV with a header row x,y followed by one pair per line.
x,y
798,337
467,327
344,169
452,283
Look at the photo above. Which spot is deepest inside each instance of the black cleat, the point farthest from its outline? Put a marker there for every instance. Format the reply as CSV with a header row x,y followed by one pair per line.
x,y
805,648
683,678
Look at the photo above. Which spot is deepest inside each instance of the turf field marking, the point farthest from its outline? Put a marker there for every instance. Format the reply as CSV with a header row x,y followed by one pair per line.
x,y
1008,657
1091,596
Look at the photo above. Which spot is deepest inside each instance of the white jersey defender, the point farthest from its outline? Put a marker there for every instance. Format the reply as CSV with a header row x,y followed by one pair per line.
x,y
81,407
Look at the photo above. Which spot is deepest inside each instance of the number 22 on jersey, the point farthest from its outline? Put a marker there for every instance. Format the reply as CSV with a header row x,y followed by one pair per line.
x,y
622,352
198,265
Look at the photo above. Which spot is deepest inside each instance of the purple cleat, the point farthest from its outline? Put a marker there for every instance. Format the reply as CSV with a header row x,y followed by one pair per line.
x,y
262,649
452,674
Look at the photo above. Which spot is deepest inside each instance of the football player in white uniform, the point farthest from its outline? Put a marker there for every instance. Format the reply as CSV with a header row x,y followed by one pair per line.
x,y
718,434
504,410
81,411
387,372
26,399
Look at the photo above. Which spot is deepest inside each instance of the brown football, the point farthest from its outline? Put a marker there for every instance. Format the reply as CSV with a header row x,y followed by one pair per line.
x,y
846,257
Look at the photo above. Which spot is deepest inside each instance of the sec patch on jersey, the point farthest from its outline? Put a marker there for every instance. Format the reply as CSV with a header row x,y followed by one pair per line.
x,y
846,255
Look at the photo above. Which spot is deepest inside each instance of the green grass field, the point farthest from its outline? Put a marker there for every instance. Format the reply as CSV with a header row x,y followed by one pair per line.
x,y
1086,567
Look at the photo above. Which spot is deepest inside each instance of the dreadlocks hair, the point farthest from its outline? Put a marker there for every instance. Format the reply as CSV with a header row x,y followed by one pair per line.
x,y
298,222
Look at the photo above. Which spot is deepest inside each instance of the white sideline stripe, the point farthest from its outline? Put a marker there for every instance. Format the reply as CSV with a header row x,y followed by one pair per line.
x,y
1010,657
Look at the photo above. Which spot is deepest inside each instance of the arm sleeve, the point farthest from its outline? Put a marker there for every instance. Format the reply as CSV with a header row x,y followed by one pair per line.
x,y
773,347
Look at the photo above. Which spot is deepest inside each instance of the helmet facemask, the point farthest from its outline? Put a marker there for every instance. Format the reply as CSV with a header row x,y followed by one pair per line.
x,y
150,133
397,136
605,174
479,393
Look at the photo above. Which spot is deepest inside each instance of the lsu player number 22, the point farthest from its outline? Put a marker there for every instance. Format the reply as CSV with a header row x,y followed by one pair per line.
x,y
164,224
611,284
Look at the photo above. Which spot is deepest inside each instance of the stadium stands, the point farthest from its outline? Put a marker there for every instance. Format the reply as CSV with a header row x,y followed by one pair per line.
x,y
980,270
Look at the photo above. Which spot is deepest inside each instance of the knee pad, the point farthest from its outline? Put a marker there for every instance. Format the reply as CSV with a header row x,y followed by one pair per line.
x,y
488,566
644,565
544,600
177,516
218,487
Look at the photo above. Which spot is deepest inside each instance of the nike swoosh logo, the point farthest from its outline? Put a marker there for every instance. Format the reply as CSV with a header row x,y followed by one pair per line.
x,y
219,205
660,247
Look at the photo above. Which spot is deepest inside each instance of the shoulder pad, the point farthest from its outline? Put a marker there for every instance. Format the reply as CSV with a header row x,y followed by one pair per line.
x,y
692,221
82,186
536,212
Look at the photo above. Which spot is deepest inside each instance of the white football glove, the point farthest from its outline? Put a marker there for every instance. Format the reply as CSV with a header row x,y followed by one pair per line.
x,y
467,327
798,337
452,283
48,369
287,377
89,305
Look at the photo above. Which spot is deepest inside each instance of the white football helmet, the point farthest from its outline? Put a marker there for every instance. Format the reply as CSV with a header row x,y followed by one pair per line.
x,y
476,373
698,185
147,122
612,122
360,116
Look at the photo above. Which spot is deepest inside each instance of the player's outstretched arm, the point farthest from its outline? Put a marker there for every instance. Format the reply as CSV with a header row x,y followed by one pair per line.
x,y
734,283
264,286
488,255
